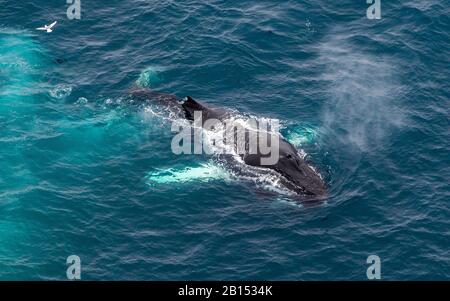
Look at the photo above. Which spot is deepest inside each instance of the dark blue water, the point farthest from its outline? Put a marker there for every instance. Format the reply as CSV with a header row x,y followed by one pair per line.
x,y
82,172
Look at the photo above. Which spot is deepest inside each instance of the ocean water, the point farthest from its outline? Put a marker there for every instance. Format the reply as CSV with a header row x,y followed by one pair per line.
x,y
83,172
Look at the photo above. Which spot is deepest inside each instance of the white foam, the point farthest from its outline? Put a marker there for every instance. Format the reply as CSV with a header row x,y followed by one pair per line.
x,y
61,91
82,101
204,172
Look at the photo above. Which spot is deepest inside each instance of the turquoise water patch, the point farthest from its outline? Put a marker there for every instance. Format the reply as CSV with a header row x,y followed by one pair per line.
x,y
13,237
87,130
21,66
22,62
300,135
149,77
205,172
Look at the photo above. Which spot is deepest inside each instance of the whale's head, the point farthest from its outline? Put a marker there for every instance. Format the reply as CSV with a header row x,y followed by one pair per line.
x,y
301,178
298,175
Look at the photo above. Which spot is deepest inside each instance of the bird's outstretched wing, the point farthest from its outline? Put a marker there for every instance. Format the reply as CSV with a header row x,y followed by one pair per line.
x,y
41,28
53,24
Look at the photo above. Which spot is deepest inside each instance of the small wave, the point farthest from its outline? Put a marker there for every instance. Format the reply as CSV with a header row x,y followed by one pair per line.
x,y
82,101
61,91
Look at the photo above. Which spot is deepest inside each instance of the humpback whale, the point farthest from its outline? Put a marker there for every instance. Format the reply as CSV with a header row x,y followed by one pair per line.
x,y
295,173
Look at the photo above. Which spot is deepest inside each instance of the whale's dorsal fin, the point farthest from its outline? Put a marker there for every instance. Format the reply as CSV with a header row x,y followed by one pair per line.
x,y
190,106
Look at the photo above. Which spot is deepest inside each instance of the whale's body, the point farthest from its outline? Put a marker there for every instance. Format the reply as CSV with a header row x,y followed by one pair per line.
x,y
297,175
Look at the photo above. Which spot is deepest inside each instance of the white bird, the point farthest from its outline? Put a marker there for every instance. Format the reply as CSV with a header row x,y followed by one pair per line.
x,y
47,28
